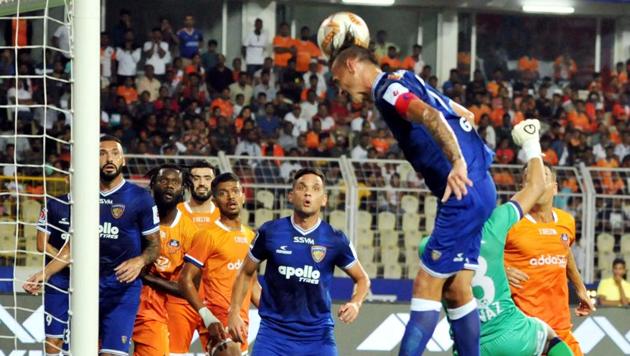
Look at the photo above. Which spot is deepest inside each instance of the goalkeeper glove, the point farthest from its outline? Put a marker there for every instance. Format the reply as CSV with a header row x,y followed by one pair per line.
x,y
527,135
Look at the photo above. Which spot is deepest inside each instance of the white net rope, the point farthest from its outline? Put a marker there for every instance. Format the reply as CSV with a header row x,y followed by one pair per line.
x,y
35,138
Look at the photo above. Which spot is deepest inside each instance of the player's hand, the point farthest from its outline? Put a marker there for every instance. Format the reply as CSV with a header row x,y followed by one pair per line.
x,y
457,181
217,333
237,328
516,277
33,284
129,270
526,130
585,306
348,312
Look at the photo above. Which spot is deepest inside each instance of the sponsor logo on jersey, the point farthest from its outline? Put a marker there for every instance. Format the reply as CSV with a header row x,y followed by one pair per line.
x,y
549,260
106,201
64,221
283,250
547,231
65,236
305,274
173,246
201,219
232,266
303,240
108,231
318,253
241,240
162,262
459,257
118,210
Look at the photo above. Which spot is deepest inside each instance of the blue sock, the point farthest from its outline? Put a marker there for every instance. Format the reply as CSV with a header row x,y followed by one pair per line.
x,y
466,328
422,321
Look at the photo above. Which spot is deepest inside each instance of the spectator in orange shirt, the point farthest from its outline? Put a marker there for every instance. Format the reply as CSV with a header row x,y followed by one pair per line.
x,y
313,136
414,62
505,154
306,50
128,91
283,46
195,66
237,68
564,67
391,59
549,155
579,119
620,74
381,142
494,86
480,107
313,84
528,63
223,103
498,111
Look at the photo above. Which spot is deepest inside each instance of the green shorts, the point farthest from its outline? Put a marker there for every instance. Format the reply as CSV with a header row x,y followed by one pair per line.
x,y
525,336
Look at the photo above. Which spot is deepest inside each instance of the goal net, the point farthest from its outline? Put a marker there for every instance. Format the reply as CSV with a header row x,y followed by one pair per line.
x,y
36,123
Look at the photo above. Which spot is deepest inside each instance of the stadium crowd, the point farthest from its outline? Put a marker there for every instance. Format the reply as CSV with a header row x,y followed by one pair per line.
x,y
177,94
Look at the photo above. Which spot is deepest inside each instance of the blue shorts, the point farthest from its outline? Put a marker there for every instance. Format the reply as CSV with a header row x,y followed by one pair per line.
x,y
271,343
456,237
118,309
56,314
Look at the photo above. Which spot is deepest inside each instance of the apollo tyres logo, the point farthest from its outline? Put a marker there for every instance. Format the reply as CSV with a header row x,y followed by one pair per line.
x,y
108,231
306,274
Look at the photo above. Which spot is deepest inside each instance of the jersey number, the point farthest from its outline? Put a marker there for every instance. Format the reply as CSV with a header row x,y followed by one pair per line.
x,y
485,296
465,124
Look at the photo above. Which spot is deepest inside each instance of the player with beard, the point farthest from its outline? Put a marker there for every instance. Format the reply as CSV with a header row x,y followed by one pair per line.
x,y
217,254
151,334
183,319
129,241
200,208
301,253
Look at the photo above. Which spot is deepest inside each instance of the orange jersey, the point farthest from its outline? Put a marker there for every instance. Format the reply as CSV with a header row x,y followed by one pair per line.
x,y
203,219
174,241
220,252
282,59
541,250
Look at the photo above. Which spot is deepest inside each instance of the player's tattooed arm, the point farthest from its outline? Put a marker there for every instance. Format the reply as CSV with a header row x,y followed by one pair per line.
x,y
429,117
130,270
152,248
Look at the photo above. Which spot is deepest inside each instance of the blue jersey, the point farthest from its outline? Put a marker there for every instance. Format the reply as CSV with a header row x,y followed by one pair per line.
x,y
295,301
127,213
420,148
54,220
189,42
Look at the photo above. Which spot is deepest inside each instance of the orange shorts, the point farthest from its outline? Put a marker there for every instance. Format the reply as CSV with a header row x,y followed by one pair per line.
x,y
150,338
183,320
568,337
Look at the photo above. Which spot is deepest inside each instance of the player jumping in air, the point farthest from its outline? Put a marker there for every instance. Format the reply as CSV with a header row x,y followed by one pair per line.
x,y
438,139
505,330
52,235
538,260
301,253
218,252
151,332
129,241
183,320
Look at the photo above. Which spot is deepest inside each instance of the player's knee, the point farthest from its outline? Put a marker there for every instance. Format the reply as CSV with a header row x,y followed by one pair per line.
x,y
427,286
457,295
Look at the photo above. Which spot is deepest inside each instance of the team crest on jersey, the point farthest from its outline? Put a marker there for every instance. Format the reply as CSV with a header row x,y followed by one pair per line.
x,y
118,210
318,253
173,246
435,255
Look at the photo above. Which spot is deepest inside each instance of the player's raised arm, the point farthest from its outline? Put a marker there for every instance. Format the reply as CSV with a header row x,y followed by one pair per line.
x,y
527,135
236,326
416,110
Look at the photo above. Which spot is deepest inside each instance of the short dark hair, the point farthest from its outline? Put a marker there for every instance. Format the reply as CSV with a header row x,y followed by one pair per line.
x,y
212,42
346,52
107,137
203,164
186,178
619,261
222,178
309,170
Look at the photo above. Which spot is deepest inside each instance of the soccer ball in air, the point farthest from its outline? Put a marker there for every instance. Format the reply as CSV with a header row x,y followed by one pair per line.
x,y
339,28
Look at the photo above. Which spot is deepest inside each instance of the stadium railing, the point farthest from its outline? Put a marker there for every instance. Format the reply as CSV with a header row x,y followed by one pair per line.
x,y
384,206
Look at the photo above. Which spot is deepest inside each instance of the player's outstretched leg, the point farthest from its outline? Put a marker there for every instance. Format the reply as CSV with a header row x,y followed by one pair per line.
x,y
558,347
425,314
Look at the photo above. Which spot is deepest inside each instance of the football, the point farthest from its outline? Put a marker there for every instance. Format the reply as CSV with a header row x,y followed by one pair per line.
x,y
340,28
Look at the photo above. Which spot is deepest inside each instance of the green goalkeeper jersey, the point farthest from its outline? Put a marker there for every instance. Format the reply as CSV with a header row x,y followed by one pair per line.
x,y
497,311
